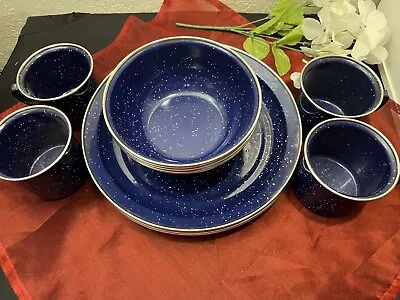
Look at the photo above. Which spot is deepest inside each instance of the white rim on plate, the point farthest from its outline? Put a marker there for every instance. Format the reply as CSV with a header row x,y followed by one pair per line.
x,y
214,160
208,230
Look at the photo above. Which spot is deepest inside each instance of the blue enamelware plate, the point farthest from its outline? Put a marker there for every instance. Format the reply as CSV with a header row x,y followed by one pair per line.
x,y
208,202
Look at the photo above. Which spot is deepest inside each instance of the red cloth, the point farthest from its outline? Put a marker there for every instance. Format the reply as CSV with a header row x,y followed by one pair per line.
x,y
82,248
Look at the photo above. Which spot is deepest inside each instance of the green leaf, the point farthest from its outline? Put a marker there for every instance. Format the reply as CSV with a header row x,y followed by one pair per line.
x,y
275,28
292,38
266,26
293,15
257,47
282,61
282,33
280,7
288,11
287,27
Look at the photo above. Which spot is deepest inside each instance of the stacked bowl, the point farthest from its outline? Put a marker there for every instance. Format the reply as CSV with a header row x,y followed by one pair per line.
x,y
182,105
188,136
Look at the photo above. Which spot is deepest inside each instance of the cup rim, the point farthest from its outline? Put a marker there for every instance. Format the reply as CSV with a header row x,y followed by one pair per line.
x,y
363,65
60,156
320,181
33,55
213,160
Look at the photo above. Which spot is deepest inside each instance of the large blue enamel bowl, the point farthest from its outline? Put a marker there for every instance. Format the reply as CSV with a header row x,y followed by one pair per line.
x,y
182,104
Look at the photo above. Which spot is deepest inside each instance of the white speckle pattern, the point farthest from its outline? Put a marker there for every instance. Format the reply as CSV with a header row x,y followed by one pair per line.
x,y
349,158
36,151
207,202
58,75
181,101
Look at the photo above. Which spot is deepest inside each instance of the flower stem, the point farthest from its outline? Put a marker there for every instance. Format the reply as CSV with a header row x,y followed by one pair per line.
x,y
219,28
239,30
254,22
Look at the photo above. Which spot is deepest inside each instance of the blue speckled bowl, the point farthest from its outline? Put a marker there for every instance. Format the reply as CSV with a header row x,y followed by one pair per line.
x,y
182,104
209,202
346,162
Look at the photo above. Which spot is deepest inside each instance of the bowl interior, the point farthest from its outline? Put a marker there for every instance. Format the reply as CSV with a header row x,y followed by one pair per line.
x,y
182,101
352,159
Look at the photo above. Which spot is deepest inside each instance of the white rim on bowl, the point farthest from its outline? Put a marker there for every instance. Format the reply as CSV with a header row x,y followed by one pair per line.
x,y
60,156
197,169
140,158
320,181
70,92
350,59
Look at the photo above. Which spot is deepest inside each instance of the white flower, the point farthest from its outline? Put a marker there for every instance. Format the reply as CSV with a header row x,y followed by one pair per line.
x,y
321,3
338,7
342,7
331,48
342,26
295,77
312,28
336,31
374,35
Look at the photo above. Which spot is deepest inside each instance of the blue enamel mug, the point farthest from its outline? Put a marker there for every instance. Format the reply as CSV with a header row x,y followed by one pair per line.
x,y
345,163
38,151
58,75
338,86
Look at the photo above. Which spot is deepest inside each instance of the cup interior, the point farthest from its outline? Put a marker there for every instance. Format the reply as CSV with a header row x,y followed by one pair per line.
x,y
188,101
54,72
352,159
341,86
31,141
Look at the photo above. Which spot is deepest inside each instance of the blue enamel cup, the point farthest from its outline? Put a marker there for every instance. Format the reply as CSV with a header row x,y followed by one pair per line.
x,y
338,86
58,75
38,151
345,162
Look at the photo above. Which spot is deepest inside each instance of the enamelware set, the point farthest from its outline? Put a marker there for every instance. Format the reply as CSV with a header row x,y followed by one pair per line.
x,y
188,136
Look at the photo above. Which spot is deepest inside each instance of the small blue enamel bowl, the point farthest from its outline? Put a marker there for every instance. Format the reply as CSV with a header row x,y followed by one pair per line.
x,y
37,150
58,75
338,86
346,162
182,104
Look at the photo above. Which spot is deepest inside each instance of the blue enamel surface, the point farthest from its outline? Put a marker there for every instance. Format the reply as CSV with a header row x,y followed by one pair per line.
x,y
351,159
26,137
182,101
245,185
340,86
30,142
55,71
317,198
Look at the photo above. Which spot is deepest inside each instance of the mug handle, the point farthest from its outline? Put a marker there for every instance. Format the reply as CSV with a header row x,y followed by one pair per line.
x,y
305,166
17,95
83,89
385,100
